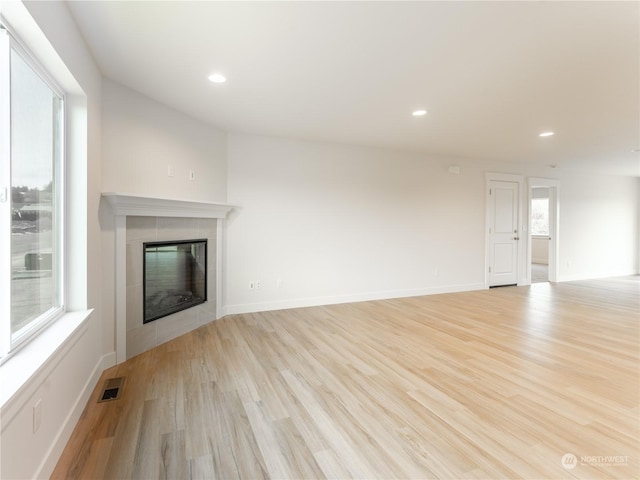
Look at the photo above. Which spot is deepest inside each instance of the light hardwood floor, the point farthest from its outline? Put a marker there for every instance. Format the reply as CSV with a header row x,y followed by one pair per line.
x,y
498,383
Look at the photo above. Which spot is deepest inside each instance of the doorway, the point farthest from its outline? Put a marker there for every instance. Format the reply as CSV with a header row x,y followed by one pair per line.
x,y
542,251
539,234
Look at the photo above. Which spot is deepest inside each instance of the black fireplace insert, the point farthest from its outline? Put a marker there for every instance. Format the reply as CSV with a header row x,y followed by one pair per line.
x,y
174,277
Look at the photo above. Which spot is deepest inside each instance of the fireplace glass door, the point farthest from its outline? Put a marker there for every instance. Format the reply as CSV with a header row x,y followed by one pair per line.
x,y
175,277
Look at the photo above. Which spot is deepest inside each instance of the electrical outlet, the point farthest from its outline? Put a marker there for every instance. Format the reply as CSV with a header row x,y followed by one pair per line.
x,y
258,284
37,415
435,272
279,283
171,171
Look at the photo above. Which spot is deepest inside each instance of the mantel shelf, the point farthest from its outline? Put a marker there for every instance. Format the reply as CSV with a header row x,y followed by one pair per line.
x,y
134,205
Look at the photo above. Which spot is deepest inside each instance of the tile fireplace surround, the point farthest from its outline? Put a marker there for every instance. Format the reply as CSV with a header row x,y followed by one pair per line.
x,y
145,219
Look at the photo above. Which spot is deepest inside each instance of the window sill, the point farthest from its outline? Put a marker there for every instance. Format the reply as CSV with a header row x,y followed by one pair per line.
x,y
32,359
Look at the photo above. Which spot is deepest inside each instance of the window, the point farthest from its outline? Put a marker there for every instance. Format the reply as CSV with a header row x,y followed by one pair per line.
x,y
31,166
540,216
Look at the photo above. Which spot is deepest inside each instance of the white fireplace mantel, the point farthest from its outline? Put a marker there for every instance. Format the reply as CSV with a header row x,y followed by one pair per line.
x,y
135,205
125,205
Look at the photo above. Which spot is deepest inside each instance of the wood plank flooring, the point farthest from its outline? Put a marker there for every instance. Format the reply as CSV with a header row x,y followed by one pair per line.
x,y
497,383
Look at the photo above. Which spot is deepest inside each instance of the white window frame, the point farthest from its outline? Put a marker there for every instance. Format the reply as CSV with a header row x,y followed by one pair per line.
x,y
9,41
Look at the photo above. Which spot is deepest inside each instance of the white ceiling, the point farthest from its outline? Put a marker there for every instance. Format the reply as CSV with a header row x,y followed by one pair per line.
x,y
491,74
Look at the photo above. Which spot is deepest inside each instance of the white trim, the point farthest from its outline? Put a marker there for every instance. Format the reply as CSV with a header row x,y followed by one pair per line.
x,y
576,277
145,206
125,205
219,260
5,192
358,297
554,225
503,177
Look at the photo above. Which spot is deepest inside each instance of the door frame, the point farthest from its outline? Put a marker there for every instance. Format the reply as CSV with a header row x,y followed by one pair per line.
x,y
522,227
554,224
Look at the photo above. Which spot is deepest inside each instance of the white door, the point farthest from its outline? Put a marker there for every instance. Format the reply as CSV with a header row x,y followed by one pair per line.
x,y
503,233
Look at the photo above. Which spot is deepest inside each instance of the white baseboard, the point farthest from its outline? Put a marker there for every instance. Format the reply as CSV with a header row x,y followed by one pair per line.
x,y
357,297
64,433
575,277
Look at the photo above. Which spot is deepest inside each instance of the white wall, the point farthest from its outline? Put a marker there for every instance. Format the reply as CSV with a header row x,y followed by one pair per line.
x,y
142,138
598,226
322,223
335,223
64,382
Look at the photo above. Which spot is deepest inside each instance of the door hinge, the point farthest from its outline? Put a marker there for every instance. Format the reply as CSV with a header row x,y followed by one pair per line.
x,y
489,191
489,269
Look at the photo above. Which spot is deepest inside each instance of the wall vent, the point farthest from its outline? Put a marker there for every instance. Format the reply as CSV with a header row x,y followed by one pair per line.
x,y
111,389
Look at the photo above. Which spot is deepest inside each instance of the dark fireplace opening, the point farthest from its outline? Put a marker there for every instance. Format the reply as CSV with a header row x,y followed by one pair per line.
x,y
174,277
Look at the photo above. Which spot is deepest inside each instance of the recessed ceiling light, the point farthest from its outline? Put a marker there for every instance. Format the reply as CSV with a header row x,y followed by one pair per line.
x,y
546,134
635,150
217,78
419,113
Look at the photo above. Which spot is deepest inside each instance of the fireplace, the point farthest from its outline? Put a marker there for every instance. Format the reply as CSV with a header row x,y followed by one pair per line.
x,y
138,220
174,277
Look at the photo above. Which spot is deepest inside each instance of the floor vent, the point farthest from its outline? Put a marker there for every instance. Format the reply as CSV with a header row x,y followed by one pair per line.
x,y
111,389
